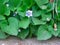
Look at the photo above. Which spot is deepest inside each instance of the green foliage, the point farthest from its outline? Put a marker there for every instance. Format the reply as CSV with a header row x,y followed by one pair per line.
x,y
23,34
41,2
36,21
3,35
43,33
24,23
12,28
43,23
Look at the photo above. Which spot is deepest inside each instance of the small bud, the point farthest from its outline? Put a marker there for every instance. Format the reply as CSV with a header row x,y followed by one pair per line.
x,y
29,13
7,5
48,19
16,12
19,30
55,27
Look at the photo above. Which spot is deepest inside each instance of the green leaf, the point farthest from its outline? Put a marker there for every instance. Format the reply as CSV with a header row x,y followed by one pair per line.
x,y
49,7
2,9
12,28
36,13
58,17
3,35
43,7
23,34
14,4
7,12
3,1
2,17
24,23
51,22
53,32
58,2
58,26
21,13
33,30
43,34
46,17
13,21
36,21
3,23
41,2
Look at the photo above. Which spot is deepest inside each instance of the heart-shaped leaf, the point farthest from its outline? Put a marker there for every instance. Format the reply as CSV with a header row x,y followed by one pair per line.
x,y
43,33
24,23
12,28
23,34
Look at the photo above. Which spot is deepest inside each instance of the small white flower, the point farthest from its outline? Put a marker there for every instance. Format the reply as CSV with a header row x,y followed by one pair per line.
x,y
29,13
3,44
48,19
19,30
7,5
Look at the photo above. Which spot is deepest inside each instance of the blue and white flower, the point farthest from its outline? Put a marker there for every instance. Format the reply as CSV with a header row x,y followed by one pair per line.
x,y
29,13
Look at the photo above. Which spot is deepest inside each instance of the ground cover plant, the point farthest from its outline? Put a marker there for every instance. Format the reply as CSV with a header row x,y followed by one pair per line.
x,y
30,18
